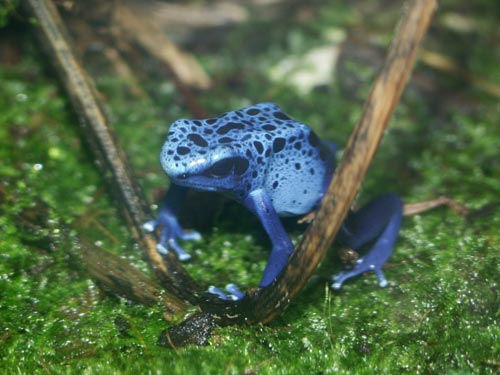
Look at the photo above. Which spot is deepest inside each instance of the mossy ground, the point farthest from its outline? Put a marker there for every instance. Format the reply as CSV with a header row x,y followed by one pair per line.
x,y
441,311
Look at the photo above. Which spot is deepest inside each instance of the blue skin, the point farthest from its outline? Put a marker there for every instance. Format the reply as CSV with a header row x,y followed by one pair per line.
x,y
274,166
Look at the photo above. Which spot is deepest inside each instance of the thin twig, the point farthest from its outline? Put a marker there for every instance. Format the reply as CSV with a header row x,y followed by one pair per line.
x,y
134,25
445,64
410,209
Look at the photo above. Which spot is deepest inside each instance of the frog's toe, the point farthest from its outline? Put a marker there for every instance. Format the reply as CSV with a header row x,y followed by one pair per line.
x,y
382,281
149,226
191,236
161,249
338,279
181,253
183,256
168,238
218,292
168,243
233,292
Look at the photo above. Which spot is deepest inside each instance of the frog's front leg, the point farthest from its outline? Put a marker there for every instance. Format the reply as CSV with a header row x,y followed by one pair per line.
x,y
170,229
260,204
378,222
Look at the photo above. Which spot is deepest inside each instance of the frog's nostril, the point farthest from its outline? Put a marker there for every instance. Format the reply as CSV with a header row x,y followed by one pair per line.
x,y
182,176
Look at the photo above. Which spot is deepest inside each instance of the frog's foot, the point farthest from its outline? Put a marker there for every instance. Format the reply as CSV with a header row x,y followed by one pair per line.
x,y
378,222
233,292
170,233
361,266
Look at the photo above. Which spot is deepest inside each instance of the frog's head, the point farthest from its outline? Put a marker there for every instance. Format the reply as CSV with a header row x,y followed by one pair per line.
x,y
195,157
231,153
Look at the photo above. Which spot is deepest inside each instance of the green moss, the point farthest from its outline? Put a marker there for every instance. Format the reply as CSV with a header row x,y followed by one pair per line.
x,y
439,314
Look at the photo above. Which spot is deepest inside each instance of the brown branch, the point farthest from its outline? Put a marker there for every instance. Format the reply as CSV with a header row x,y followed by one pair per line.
x,y
357,157
119,277
270,302
108,154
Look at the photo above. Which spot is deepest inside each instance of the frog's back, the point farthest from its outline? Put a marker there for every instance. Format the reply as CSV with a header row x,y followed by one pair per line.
x,y
297,165
298,177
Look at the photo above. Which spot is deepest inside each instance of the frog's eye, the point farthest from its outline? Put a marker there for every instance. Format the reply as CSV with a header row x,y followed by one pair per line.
x,y
225,167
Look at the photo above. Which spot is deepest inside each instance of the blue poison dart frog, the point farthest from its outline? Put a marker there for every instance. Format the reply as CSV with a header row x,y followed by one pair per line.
x,y
274,166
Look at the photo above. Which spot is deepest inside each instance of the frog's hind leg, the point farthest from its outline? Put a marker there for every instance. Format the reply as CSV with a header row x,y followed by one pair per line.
x,y
378,222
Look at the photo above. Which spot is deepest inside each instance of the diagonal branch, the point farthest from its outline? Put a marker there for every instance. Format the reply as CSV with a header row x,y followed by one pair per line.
x,y
263,305
108,154
357,157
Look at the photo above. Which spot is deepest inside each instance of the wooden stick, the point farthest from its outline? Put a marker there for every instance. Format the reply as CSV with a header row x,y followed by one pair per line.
x,y
108,154
118,277
445,64
270,302
410,209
